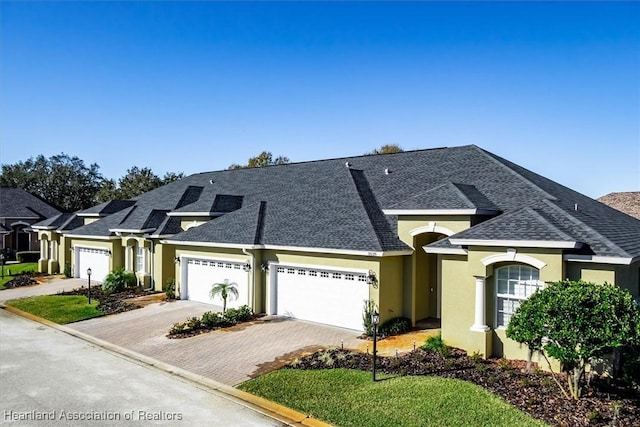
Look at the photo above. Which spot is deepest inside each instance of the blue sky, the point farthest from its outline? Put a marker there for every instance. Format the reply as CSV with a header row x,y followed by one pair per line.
x,y
197,86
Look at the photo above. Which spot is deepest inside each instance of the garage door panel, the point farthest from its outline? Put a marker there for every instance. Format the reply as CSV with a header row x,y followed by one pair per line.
x,y
96,259
201,275
324,296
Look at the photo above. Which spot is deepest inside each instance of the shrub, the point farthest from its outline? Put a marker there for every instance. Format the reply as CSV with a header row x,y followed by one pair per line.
x,y
395,326
435,343
367,311
576,322
28,256
210,319
193,323
170,289
177,328
67,270
236,315
118,280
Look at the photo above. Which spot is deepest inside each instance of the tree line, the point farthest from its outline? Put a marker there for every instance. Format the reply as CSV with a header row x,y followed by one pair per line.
x,y
70,184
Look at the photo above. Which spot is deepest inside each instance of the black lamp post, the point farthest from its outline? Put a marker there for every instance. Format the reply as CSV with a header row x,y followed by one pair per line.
x,y
2,262
375,318
89,275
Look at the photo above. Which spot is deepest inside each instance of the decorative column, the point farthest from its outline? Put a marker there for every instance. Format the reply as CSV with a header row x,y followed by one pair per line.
x,y
480,323
43,250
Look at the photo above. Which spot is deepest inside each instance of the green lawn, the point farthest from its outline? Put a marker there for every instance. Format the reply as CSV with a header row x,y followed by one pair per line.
x,y
58,308
349,398
15,269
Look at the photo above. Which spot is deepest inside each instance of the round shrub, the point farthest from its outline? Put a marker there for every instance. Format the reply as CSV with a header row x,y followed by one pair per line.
x,y
118,280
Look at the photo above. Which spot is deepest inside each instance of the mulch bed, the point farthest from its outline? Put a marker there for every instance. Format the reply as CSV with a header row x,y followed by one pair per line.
x,y
112,303
606,402
20,280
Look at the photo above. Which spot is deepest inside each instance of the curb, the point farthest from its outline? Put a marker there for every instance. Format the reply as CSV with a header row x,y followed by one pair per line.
x,y
266,407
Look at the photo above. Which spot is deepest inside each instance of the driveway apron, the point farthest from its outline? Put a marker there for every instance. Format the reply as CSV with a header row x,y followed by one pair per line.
x,y
230,356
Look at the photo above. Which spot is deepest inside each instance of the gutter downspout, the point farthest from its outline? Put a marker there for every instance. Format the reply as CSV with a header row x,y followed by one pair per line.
x,y
251,277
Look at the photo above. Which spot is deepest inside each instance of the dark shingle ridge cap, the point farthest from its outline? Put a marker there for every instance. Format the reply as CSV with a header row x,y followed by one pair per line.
x,y
345,158
505,217
376,217
588,228
499,161
259,234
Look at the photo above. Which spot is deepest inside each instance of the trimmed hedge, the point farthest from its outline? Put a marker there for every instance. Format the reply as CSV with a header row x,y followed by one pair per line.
x,y
28,256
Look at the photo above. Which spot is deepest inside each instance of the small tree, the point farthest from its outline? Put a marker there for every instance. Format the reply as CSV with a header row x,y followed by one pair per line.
x,y
225,290
575,322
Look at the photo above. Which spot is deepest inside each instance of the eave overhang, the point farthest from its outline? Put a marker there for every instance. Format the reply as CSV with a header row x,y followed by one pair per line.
x,y
440,212
554,244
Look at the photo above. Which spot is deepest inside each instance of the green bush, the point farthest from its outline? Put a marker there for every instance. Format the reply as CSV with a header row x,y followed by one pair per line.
x,y
395,326
367,311
177,328
28,256
170,289
435,343
67,270
118,280
210,319
193,323
237,315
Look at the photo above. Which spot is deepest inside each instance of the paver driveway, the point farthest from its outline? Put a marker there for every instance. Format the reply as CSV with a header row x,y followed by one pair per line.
x,y
230,356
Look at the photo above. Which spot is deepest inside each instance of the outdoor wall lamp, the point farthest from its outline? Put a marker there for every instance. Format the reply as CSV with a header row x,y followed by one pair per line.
x,y
371,278
89,276
176,260
247,267
264,266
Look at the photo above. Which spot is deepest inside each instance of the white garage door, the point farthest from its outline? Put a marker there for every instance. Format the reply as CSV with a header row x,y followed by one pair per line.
x,y
321,295
96,259
202,274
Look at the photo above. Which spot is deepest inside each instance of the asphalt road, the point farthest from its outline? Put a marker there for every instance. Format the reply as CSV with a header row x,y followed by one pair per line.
x,y
48,378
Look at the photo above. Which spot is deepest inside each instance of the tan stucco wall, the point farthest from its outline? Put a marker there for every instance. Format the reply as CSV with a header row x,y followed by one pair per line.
x,y
407,223
458,298
163,265
390,298
190,222
625,276
458,302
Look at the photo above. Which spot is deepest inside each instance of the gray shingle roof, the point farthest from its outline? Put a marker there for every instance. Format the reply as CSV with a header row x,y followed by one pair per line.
x,y
327,204
17,203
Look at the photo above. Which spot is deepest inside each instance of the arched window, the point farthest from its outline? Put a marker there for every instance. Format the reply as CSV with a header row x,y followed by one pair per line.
x,y
514,283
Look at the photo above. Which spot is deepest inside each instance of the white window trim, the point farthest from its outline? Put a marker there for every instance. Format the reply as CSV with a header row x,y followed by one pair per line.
x,y
508,296
141,259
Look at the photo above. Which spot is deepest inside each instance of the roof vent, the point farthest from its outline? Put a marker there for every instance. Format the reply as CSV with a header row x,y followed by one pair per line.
x,y
210,181
348,164
387,171
575,207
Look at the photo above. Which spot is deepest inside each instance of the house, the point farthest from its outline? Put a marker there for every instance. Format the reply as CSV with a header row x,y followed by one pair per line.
x,y
458,234
627,202
18,210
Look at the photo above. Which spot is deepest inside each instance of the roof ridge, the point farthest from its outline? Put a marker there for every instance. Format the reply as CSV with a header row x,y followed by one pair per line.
x,y
546,221
494,158
582,224
462,194
340,158
377,219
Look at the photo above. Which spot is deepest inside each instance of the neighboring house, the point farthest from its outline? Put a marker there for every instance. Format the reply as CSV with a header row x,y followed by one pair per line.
x,y
627,202
18,210
458,234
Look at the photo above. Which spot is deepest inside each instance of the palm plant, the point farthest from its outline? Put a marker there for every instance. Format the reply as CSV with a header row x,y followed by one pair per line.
x,y
225,290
